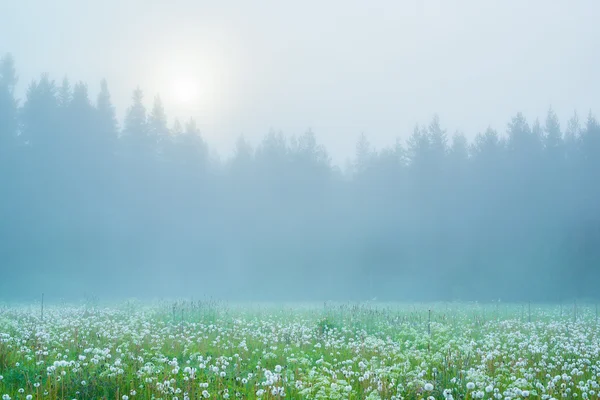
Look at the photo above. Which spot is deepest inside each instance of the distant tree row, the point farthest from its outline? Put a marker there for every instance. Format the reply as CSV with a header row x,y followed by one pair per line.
x,y
88,207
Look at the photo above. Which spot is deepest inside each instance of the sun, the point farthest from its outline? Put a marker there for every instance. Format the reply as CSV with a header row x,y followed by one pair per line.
x,y
191,84
184,91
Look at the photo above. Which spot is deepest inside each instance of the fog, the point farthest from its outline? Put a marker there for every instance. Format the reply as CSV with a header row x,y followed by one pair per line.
x,y
276,152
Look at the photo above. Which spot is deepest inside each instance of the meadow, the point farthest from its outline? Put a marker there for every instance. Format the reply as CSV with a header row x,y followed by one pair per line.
x,y
210,350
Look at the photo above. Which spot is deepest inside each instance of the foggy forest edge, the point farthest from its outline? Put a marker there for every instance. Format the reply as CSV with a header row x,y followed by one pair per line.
x,y
143,208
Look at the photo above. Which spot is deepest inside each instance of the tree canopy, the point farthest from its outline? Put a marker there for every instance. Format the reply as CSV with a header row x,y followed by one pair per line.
x,y
512,214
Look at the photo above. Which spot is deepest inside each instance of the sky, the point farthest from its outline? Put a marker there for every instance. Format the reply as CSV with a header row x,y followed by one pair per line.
x,y
338,67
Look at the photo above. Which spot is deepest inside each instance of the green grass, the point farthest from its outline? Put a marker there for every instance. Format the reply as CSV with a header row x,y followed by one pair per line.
x,y
300,351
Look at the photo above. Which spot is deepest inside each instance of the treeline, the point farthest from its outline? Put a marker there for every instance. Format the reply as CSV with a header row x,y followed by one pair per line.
x,y
141,208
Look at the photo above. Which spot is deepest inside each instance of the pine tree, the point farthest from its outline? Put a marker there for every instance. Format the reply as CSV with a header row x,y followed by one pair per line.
x,y
192,148
555,170
8,106
136,140
553,140
39,115
177,128
65,94
438,141
11,155
418,145
157,121
135,126
363,155
106,119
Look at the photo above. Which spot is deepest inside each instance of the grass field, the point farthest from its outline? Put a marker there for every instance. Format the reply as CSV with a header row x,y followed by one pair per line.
x,y
192,350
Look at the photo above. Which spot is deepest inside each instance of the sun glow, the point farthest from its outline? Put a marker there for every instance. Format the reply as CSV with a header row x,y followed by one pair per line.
x,y
184,91
189,89
195,80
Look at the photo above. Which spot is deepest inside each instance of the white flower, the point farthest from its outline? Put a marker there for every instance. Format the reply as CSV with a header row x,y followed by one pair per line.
x,y
470,385
428,386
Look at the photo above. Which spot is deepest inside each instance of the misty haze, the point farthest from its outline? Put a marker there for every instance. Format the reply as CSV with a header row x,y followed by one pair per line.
x,y
335,200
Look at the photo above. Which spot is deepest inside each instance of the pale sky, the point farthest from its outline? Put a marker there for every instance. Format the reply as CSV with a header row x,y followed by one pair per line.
x,y
340,67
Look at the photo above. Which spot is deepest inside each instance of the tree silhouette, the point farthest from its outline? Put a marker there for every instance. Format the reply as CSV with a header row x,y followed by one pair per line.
x,y
513,213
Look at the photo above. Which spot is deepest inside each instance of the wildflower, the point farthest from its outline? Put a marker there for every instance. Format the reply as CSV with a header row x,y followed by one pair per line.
x,y
470,385
428,387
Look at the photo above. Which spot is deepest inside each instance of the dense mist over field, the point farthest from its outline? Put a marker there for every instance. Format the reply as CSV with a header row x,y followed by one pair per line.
x,y
340,182
145,210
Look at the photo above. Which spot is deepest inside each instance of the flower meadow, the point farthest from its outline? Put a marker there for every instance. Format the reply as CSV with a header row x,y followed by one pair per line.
x,y
209,350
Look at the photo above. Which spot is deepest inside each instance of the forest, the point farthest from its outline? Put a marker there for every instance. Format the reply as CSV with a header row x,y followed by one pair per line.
x,y
93,206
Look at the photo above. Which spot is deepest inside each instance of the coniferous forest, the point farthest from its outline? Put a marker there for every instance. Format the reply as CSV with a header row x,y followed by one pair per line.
x,y
94,206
